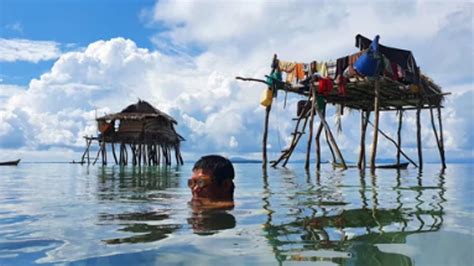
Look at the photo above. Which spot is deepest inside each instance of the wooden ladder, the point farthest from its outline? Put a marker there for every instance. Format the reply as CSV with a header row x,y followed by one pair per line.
x,y
301,123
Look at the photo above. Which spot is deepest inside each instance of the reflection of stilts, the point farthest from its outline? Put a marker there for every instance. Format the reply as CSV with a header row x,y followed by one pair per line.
x,y
356,230
399,197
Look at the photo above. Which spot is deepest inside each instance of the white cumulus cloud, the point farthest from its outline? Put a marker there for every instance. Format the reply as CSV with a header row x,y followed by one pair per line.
x,y
28,50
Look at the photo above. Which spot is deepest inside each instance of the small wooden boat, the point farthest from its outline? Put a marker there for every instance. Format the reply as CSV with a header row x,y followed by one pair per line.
x,y
393,166
10,162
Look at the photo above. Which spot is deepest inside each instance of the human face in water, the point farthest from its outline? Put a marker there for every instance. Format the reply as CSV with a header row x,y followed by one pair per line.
x,y
205,189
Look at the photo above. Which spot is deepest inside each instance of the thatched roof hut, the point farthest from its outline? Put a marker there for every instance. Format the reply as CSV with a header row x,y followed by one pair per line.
x,y
148,132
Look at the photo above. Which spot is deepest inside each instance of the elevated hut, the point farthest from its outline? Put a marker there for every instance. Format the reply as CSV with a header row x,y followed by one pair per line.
x,y
375,78
148,133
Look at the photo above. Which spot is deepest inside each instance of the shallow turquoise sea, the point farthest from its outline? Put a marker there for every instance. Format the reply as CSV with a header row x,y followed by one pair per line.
x,y
93,215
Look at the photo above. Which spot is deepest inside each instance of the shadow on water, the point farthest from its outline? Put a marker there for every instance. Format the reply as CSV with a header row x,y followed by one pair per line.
x,y
325,228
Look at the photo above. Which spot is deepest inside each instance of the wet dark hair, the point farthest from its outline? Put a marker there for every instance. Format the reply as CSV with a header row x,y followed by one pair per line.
x,y
220,167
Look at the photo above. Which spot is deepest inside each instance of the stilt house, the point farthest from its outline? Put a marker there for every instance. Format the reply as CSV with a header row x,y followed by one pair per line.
x,y
376,78
148,132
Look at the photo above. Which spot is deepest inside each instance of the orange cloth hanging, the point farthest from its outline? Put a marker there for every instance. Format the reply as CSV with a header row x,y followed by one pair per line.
x,y
299,71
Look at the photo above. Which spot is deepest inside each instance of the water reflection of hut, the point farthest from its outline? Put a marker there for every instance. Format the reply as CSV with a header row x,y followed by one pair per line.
x,y
149,133
376,78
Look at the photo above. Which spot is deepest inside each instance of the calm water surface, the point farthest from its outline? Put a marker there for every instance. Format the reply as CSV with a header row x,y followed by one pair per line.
x,y
80,215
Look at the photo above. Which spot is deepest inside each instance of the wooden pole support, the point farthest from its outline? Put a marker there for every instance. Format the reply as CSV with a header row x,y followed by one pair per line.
x,y
441,139
399,135
418,136
265,136
376,125
311,125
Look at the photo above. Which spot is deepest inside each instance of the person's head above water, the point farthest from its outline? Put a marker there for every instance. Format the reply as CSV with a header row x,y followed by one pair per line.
x,y
212,180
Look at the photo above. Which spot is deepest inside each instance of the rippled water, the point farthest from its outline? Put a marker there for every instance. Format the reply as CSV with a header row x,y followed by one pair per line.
x,y
73,214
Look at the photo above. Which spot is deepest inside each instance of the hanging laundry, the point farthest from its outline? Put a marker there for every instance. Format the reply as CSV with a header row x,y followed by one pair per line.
x,y
306,68
350,73
342,64
275,80
331,66
299,72
322,69
267,97
289,68
313,67
325,86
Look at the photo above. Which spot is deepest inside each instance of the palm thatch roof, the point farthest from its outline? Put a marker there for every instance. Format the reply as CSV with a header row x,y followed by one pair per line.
x,y
138,111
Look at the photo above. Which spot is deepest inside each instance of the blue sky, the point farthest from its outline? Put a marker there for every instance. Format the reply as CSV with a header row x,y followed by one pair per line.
x,y
71,24
63,62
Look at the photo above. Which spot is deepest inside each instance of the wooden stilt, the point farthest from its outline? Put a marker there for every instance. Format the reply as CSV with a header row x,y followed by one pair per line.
x,y
441,139
364,119
176,153
330,146
165,156
438,141
113,152
158,154
169,155
86,151
104,153
98,154
181,158
121,154
144,154
125,154
317,141
376,126
265,135
318,146
134,154
399,135
311,124
418,136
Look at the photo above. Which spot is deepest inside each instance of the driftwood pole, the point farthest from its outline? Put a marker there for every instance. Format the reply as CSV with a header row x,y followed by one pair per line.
x,y
399,135
376,125
311,124
441,140
418,135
